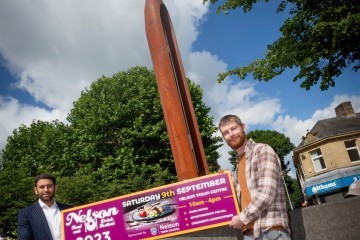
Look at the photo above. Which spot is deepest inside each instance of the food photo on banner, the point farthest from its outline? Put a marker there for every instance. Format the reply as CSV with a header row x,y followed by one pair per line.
x,y
174,209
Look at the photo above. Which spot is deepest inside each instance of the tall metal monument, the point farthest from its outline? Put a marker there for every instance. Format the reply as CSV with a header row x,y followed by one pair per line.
x,y
184,134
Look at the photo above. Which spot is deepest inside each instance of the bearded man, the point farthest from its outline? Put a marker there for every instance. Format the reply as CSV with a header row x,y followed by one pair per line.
x,y
259,185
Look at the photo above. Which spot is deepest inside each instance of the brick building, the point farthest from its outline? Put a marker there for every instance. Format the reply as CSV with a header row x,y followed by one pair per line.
x,y
327,160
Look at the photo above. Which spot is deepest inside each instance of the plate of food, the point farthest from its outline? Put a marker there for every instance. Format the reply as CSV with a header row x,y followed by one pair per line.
x,y
152,211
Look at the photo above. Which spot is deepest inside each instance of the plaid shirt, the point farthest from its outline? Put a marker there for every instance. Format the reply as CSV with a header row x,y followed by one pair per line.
x,y
265,183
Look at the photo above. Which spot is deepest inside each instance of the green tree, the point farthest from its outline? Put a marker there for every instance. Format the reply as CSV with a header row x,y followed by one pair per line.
x,y
319,39
296,195
120,132
16,192
41,147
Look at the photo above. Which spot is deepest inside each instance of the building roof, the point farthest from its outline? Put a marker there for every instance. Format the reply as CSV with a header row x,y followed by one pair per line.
x,y
332,127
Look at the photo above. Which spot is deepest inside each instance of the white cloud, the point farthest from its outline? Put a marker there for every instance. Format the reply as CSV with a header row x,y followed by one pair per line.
x,y
61,47
295,128
329,112
13,114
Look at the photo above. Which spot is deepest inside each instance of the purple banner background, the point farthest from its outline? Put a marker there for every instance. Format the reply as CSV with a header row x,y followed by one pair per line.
x,y
170,210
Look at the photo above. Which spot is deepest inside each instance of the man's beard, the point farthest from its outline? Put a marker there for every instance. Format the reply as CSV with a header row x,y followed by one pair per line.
x,y
49,197
236,142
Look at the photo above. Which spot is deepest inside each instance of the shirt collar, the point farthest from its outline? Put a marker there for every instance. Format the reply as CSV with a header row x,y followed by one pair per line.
x,y
42,204
249,145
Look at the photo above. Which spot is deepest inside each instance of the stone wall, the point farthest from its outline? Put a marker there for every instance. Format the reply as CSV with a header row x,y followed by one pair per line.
x,y
337,220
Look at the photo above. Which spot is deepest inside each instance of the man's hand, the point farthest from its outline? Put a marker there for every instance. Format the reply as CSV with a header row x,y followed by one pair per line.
x,y
236,222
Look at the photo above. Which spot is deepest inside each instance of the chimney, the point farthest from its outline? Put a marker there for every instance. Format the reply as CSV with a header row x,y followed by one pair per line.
x,y
344,109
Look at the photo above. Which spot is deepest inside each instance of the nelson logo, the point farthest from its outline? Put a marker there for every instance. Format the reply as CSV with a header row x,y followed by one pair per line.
x,y
153,231
90,218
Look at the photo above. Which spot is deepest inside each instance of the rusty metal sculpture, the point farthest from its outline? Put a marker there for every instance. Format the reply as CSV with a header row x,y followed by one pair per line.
x,y
184,134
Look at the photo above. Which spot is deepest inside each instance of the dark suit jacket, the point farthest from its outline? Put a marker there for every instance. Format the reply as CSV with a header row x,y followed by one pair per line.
x,y
32,224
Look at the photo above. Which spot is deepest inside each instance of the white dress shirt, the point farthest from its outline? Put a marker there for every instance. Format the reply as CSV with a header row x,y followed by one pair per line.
x,y
53,218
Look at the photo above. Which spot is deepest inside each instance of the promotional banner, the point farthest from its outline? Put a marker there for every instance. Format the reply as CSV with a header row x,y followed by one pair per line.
x,y
187,206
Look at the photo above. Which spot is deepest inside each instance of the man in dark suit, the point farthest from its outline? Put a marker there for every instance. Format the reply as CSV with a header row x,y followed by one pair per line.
x,y
42,220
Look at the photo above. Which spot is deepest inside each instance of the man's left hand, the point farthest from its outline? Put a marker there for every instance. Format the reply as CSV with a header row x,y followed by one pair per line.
x,y
236,222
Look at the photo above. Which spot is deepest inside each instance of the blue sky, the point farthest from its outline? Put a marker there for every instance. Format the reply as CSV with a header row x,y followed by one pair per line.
x,y
238,38
51,51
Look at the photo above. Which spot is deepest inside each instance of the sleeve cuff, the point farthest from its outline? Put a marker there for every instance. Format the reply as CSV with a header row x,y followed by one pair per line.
x,y
243,218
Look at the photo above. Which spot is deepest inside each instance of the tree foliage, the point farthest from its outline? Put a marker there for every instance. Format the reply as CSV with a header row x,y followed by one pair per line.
x,y
16,192
126,138
320,39
120,131
41,147
296,194
115,143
